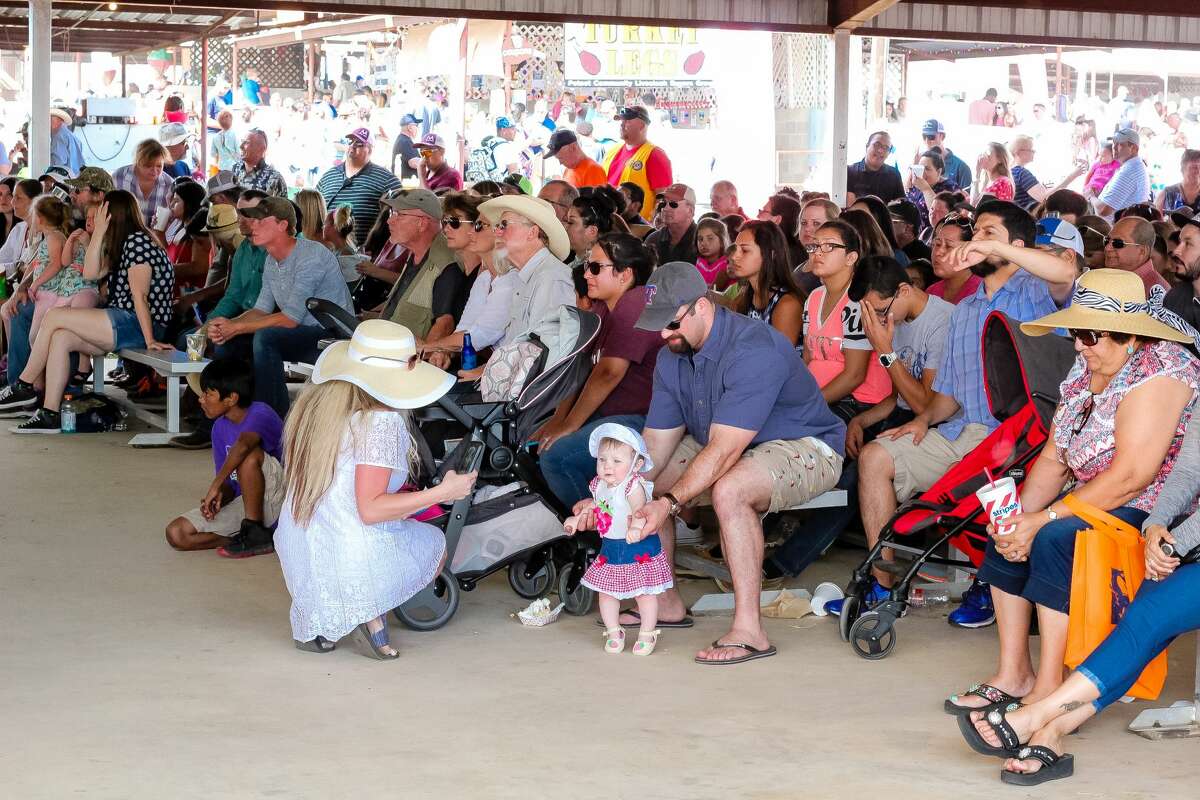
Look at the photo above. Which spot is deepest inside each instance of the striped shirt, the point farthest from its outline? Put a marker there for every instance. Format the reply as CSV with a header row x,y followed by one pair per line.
x,y
362,191
1129,186
1024,298
159,197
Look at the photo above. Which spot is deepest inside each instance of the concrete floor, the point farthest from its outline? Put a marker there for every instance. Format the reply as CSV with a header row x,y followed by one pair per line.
x,y
131,671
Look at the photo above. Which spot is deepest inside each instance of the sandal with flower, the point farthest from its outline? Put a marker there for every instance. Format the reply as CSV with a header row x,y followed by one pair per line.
x,y
645,643
614,640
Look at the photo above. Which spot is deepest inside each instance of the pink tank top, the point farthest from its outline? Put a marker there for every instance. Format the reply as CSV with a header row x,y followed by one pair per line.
x,y
841,330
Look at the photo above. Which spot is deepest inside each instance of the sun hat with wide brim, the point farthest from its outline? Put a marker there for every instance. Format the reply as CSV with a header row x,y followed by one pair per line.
x,y
62,114
537,211
382,360
1114,300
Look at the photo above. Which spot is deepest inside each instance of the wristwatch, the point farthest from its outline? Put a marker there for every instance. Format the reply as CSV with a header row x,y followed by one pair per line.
x,y
887,359
1051,513
676,506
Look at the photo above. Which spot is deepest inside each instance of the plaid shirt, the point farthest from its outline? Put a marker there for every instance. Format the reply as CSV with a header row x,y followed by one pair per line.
x,y
159,197
265,178
1024,298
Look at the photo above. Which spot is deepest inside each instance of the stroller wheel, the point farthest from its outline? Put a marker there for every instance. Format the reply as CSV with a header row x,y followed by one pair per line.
x,y
849,615
433,606
873,635
536,585
578,601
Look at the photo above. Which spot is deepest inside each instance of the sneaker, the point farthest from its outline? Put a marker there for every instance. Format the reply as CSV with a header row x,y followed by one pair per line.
x,y
875,595
196,440
687,535
254,539
976,610
18,395
44,421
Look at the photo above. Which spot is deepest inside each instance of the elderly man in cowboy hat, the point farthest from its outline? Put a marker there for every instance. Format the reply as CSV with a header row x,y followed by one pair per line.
x,y
536,243
176,137
65,149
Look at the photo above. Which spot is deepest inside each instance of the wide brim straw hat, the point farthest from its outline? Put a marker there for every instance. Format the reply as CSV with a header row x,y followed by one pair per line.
x,y
1113,300
537,211
382,360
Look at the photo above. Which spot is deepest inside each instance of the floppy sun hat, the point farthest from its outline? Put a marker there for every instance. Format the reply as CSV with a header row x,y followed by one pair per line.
x,y
382,360
611,430
1114,300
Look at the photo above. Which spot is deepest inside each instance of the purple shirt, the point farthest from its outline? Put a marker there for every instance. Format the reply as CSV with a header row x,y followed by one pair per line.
x,y
445,178
619,339
261,419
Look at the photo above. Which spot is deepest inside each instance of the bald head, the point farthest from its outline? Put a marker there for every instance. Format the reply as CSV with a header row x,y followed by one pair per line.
x,y
1134,229
723,198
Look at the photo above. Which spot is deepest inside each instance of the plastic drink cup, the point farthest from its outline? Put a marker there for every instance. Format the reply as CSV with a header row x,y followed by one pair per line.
x,y
195,346
1000,500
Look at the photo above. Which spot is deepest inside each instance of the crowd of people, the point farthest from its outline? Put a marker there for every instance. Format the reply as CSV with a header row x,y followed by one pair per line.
x,y
747,364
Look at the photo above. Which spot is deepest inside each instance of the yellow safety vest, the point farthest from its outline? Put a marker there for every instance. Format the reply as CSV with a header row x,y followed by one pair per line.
x,y
634,171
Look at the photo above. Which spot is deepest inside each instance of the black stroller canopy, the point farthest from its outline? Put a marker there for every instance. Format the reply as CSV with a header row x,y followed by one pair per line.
x,y
1020,369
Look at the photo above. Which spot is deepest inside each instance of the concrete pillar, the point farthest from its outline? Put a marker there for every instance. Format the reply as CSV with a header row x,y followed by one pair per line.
x,y
840,105
37,77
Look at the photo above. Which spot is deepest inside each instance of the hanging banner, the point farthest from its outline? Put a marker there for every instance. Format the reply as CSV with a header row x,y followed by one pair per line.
x,y
636,55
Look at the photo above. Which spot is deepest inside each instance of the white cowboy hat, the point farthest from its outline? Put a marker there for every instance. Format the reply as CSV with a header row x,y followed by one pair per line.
x,y
537,211
61,114
626,435
382,360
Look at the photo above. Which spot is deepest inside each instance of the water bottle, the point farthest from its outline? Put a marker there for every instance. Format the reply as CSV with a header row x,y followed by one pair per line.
x,y
468,353
67,415
921,598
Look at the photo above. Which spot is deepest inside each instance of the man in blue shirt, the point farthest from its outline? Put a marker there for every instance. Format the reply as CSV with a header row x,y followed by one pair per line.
x,y
736,421
65,150
1023,283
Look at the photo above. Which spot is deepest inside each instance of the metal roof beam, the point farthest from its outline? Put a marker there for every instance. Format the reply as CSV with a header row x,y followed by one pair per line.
x,y
850,14
1173,8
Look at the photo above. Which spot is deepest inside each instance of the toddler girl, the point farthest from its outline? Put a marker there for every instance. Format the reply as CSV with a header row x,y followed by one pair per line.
x,y
56,280
711,240
631,562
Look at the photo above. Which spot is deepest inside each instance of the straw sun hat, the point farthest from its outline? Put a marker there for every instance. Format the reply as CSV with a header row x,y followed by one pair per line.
x,y
537,211
382,360
1115,301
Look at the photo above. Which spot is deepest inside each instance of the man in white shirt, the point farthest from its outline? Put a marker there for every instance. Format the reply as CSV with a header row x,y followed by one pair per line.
x,y
1130,185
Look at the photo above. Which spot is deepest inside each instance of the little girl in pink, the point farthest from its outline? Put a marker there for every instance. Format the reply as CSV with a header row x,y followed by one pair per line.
x,y
57,279
711,240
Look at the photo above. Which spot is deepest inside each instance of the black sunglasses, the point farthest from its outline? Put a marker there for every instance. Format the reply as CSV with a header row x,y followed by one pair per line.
x,y
1117,244
674,324
455,223
1084,415
1087,338
595,267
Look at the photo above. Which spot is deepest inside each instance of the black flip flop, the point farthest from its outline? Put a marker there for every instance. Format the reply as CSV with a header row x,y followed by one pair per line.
x,y
752,653
994,696
1053,768
317,645
995,719
374,651
687,622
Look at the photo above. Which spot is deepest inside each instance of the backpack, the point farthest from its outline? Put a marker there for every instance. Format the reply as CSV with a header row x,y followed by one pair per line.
x,y
95,413
481,162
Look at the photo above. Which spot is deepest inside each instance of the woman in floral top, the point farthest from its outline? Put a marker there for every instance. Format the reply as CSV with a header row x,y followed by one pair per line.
x,y
1115,435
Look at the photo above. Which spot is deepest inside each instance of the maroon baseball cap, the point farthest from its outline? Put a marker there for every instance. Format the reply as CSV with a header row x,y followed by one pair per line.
x,y
362,135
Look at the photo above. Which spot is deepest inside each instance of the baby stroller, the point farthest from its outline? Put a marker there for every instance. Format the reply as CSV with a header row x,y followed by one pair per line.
x,y
512,520
1021,376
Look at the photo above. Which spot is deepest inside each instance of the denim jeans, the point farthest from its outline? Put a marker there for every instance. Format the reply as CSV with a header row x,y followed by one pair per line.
x,y
19,346
824,526
1160,611
569,467
269,348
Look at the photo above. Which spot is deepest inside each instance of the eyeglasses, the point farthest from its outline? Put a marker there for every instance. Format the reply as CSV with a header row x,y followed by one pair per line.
x,y
674,324
594,267
883,315
824,247
426,152
1117,244
1092,231
455,223
1087,338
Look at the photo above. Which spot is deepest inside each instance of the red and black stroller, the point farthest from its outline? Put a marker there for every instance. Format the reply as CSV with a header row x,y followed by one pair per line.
x,y
1021,375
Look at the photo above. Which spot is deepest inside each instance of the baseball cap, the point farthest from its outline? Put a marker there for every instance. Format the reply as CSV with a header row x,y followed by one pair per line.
x,y
93,177
277,207
59,173
1059,232
362,135
504,122
421,200
223,181
432,140
674,284
559,140
905,211
1127,135
173,133
677,189
634,112
1187,217
409,119
932,128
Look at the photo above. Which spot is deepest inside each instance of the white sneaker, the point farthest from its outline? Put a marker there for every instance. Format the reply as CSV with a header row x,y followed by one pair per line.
x,y
686,535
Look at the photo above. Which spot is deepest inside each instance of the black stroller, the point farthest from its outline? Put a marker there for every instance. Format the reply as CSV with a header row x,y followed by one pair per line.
x,y
512,520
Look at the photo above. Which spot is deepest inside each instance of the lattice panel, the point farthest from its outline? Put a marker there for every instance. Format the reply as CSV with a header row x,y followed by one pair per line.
x,y
800,69
278,67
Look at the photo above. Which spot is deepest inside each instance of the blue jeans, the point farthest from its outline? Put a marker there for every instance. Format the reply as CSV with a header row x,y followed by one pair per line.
x,y
19,346
568,466
269,348
824,526
1160,611
1045,578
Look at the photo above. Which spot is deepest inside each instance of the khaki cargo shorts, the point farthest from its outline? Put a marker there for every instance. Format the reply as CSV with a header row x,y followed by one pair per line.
x,y
800,469
228,520
919,466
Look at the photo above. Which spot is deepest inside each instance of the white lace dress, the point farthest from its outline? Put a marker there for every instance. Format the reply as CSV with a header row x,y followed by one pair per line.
x,y
340,571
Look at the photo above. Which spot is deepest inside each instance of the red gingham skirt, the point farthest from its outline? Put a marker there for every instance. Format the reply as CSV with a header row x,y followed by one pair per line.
x,y
650,576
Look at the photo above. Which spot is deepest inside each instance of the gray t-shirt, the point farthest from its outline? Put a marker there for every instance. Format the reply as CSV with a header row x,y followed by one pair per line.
x,y
310,270
920,343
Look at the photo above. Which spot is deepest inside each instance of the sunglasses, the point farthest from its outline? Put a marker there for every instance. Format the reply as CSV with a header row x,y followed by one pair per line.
x,y
1117,244
674,324
455,223
426,152
1092,231
824,247
1087,338
503,224
594,267
1084,415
